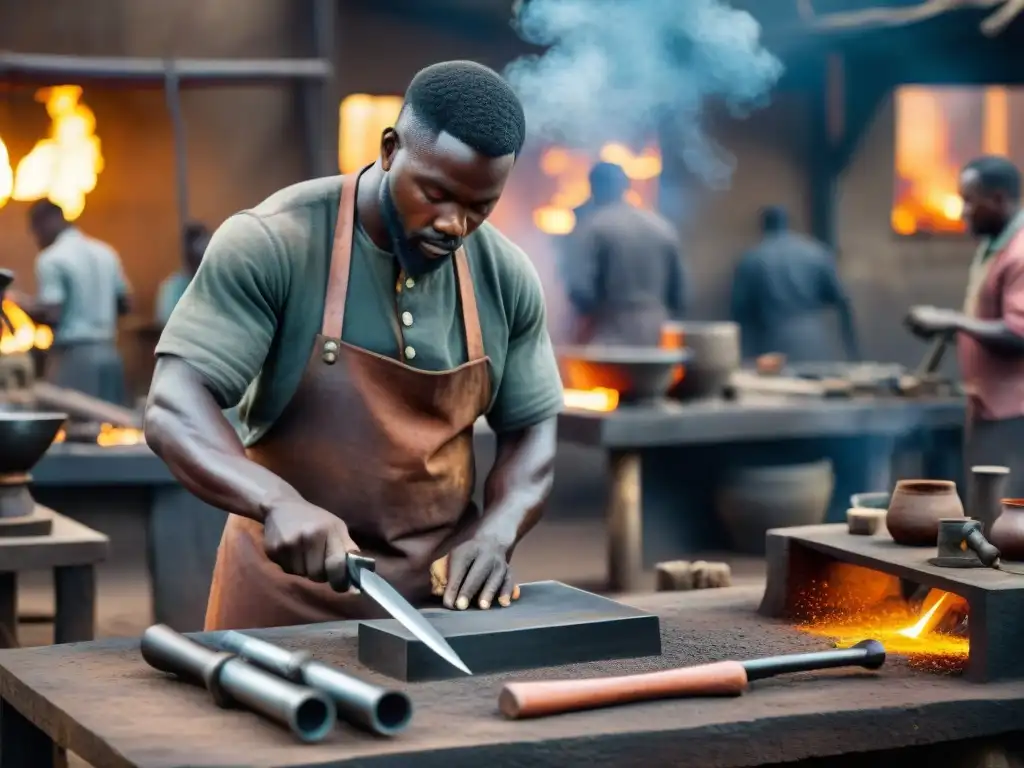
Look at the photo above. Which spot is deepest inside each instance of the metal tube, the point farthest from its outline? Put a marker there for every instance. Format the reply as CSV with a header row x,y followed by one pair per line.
x,y
378,710
308,713
869,654
47,68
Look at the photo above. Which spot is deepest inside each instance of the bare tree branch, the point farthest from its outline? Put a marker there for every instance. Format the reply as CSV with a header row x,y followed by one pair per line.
x,y
887,17
1002,18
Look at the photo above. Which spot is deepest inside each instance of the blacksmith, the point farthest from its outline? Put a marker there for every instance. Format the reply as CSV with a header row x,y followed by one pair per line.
x,y
366,322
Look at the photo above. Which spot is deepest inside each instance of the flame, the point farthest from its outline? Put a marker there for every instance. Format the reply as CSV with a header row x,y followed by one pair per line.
x,y
6,175
110,435
27,335
930,150
931,618
601,399
569,170
63,167
854,603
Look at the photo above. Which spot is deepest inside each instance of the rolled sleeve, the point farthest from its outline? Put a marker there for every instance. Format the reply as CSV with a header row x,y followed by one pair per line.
x,y
531,387
225,322
50,288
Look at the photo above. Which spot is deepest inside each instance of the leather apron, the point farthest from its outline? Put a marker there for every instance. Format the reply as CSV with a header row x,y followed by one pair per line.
x,y
386,447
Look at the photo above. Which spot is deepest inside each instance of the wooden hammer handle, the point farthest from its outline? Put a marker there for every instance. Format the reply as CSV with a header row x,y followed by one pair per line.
x,y
554,697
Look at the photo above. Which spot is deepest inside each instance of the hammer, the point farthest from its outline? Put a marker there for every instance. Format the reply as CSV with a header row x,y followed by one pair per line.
x,y
723,678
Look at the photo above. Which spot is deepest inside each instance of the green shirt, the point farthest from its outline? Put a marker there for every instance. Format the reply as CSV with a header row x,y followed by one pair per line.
x,y
248,319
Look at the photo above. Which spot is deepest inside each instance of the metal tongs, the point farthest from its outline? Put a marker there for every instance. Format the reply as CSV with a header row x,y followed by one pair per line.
x,y
915,382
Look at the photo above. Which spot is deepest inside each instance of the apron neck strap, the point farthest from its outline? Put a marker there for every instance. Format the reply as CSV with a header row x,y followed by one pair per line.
x,y
341,259
341,263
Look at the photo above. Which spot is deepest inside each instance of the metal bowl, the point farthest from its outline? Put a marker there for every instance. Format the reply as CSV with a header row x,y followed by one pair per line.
x,y
715,350
24,438
636,373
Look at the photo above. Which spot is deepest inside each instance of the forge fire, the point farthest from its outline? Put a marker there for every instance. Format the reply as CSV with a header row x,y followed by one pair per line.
x,y
64,166
851,603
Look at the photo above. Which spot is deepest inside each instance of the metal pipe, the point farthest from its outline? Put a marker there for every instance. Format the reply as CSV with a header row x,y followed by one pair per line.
x,y
308,713
370,707
172,95
48,68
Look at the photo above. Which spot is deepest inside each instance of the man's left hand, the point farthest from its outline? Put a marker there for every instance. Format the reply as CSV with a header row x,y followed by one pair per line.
x,y
932,321
475,571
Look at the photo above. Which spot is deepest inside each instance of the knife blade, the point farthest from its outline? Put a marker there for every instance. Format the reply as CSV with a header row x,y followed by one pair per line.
x,y
363,576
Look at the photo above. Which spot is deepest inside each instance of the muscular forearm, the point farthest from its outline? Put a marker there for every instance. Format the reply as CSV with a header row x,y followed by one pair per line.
x,y
992,333
186,428
519,483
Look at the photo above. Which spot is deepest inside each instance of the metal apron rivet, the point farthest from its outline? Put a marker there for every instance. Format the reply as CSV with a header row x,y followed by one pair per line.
x,y
330,352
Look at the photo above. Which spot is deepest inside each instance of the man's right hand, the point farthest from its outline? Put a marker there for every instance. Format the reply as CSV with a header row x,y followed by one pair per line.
x,y
306,540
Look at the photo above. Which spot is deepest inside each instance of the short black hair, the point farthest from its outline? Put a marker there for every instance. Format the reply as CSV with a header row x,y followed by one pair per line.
x,y
774,218
996,174
471,102
195,230
608,180
42,209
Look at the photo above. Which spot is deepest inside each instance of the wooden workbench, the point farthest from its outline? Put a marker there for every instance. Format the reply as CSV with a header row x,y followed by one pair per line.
x,y
71,550
101,701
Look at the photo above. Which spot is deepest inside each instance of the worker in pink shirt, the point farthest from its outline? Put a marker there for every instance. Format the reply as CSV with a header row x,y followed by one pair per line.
x,y
990,328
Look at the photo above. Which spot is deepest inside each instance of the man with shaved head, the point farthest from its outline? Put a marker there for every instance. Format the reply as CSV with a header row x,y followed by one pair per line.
x,y
365,322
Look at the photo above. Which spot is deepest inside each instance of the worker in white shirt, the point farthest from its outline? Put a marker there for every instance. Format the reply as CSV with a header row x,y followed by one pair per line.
x,y
81,293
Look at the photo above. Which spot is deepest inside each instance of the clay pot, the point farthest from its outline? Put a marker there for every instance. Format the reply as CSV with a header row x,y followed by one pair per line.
x,y
1007,532
754,500
985,494
916,508
715,356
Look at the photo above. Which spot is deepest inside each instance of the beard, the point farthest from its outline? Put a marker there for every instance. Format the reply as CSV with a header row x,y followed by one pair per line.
x,y
406,247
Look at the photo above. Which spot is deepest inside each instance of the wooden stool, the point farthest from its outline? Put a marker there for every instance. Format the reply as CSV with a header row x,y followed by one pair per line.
x,y
71,550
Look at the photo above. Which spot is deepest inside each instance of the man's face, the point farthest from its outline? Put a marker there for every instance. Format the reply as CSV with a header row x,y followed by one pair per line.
x,y
436,191
984,210
194,252
44,229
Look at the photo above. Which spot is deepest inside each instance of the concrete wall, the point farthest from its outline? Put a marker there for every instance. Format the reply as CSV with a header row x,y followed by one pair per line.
x,y
244,143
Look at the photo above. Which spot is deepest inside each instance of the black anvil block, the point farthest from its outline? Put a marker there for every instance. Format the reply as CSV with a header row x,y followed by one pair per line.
x,y
550,625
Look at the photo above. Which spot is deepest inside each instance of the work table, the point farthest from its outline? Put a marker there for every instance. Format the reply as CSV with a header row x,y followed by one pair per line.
x,y
755,417
101,701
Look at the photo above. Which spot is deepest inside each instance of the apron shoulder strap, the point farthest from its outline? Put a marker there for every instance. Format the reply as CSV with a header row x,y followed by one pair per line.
x,y
341,260
470,312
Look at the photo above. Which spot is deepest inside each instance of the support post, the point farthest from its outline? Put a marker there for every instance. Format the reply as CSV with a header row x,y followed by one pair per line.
x,y
319,97
625,522
23,744
828,125
75,592
172,94
8,609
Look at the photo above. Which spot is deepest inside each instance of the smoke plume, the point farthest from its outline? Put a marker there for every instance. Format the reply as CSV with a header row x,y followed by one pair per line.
x,y
631,70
